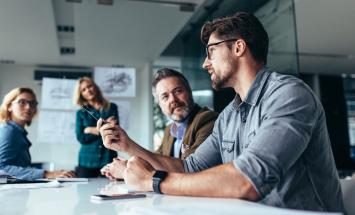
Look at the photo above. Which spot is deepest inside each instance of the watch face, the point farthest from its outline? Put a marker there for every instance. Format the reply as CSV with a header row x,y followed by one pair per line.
x,y
160,175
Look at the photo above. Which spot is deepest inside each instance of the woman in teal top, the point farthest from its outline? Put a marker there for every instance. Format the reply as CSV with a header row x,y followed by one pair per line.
x,y
92,155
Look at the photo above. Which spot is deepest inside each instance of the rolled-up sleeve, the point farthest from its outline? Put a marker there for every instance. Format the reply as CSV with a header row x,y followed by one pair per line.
x,y
207,154
25,173
289,115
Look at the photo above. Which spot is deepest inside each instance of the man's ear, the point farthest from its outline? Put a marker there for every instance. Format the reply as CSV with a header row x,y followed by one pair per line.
x,y
240,47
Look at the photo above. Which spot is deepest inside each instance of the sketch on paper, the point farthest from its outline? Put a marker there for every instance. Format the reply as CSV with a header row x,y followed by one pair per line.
x,y
116,82
56,127
57,94
123,112
60,93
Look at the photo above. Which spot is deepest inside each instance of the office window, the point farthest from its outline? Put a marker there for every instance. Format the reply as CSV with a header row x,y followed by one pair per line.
x,y
349,91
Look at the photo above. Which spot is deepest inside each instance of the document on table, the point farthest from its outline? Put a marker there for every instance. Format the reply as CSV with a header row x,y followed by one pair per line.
x,y
52,184
66,179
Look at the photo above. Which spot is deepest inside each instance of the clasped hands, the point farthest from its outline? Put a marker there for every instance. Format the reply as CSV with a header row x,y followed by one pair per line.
x,y
136,171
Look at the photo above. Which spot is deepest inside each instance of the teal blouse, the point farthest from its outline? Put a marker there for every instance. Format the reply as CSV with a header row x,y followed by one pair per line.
x,y
93,153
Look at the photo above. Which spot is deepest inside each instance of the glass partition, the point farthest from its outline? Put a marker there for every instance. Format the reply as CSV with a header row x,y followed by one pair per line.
x,y
277,17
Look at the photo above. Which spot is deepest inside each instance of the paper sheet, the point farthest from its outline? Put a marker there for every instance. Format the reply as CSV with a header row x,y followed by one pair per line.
x,y
56,127
116,82
66,179
52,184
124,109
58,94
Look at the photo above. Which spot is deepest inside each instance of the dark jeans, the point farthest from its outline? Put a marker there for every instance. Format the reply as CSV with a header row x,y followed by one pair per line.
x,y
84,172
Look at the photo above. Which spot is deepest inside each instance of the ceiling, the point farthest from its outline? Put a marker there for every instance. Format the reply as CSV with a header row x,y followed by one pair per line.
x,y
132,32
125,33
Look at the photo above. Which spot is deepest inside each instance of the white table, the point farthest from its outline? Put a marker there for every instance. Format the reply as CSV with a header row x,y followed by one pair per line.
x,y
74,198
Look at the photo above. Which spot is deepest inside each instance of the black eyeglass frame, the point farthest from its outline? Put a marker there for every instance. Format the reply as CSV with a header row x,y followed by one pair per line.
x,y
24,102
217,43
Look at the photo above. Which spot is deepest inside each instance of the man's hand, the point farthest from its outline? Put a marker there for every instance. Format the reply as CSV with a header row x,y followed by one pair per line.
x,y
115,169
138,174
59,174
113,136
111,120
106,172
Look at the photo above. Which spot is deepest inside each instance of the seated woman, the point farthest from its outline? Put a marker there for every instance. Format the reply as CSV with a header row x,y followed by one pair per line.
x,y
17,110
92,155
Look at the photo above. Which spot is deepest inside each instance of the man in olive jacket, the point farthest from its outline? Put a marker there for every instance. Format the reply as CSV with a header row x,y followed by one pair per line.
x,y
191,123
199,127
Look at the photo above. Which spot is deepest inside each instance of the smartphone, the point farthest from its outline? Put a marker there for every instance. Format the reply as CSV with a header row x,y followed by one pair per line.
x,y
118,196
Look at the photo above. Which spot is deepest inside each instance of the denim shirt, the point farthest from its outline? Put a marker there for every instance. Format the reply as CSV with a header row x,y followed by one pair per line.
x,y
277,137
15,157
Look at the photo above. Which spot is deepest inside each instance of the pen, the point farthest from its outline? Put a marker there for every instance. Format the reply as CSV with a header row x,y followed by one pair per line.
x,y
91,114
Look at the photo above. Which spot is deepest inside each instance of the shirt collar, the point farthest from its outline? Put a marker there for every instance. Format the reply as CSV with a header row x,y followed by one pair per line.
x,y
177,130
18,127
255,89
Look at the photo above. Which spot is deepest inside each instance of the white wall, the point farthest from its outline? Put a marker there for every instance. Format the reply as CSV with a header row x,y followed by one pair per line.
x,y
65,156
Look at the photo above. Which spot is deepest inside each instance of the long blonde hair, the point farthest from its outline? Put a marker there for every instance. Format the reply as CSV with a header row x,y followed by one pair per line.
x,y
79,100
5,114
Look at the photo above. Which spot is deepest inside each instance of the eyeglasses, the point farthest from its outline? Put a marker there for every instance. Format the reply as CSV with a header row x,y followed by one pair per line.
x,y
208,50
24,102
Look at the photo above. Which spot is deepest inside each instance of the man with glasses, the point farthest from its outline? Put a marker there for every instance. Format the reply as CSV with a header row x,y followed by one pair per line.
x,y
270,144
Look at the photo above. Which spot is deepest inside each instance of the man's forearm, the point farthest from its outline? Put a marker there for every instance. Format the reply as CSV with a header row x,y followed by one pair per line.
x,y
221,181
159,162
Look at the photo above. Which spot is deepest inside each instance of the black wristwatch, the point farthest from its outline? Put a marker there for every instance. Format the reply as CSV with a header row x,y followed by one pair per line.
x,y
158,177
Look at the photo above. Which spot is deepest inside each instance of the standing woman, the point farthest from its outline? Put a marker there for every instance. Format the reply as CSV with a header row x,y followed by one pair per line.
x,y
17,110
93,155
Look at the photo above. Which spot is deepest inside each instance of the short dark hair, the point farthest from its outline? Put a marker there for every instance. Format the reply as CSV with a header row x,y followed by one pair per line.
x,y
241,25
167,73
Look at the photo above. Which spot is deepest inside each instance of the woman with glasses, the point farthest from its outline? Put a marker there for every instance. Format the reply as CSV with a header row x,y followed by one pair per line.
x,y
92,155
17,110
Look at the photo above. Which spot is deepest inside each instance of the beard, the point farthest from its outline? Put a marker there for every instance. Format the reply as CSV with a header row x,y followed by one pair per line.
x,y
226,73
219,83
185,110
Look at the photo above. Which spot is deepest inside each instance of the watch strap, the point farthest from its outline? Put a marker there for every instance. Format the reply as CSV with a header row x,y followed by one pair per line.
x,y
158,177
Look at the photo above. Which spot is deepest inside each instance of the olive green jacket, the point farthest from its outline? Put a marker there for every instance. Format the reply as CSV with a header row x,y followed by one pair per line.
x,y
198,128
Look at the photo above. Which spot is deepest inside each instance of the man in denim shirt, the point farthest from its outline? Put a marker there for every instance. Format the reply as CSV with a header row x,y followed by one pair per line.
x,y
269,145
